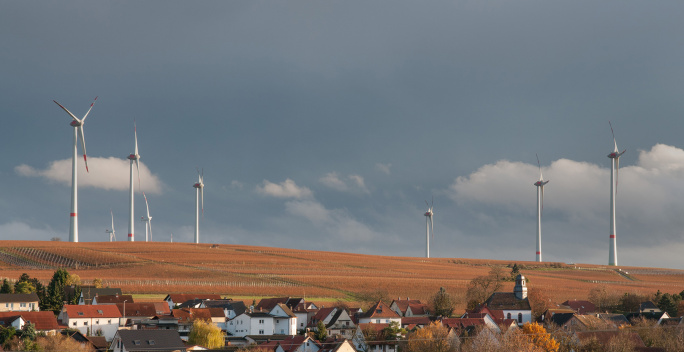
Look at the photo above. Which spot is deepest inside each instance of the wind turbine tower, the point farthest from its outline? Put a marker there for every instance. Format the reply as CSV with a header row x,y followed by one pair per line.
x,y
78,130
615,166
199,192
135,157
148,221
112,233
429,227
540,207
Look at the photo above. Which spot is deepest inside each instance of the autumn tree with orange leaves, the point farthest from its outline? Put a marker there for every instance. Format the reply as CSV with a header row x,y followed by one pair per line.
x,y
538,336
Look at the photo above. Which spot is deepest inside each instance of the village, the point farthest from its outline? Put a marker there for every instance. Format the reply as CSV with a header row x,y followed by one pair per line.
x,y
95,318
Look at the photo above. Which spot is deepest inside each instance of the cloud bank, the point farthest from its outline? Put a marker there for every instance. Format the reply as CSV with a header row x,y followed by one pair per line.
x,y
286,189
105,173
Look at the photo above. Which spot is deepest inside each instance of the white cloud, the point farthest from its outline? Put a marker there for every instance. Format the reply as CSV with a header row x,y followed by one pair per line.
x,y
236,184
385,168
105,173
352,183
286,189
24,231
337,224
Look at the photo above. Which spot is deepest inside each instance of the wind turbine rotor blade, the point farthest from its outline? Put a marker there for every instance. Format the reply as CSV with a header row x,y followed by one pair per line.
x,y
91,107
617,168
67,111
112,219
428,204
85,158
202,195
542,199
147,205
613,133
432,228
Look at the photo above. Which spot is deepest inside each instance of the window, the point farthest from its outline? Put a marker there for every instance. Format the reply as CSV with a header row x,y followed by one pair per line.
x,y
261,332
74,324
150,342
261,321
519,317
377,321
508,316
97,322
85,323
347,323
109,321
136,342
22,305
277,321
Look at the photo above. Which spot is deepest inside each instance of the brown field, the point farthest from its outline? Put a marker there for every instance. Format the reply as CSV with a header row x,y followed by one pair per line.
x,y
243,271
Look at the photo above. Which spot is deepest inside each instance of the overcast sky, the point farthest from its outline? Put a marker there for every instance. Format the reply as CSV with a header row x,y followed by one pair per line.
x,y
325,125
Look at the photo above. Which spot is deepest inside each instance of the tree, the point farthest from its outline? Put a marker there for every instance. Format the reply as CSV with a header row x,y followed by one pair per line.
x,y
73,280
321,331
28,331
442,303
669,303
60,343
539,337
481,287
394,331
206,334
97,282
54,296
6,287
25,287
434,337
630,302
540,301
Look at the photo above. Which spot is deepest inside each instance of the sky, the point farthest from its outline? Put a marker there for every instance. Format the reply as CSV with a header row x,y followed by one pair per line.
x,y
326,125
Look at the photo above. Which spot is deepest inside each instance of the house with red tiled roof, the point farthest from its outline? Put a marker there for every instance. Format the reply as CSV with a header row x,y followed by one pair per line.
x,y
112,299
410,307
470,324
380,313
284,320
580,307
89,319
514,305
187,316
45,322
304,312
412,323
371,337
324,315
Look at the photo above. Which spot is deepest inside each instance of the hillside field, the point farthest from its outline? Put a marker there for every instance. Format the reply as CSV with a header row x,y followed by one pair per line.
x,y
245,271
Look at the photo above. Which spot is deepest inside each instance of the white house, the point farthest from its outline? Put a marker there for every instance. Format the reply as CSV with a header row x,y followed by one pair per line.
x,y
18,302
146,340
380,313
284,320
514,305
91,319
248,323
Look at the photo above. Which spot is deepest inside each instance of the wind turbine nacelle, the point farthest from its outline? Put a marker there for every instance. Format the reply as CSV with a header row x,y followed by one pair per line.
x,y
614,155
75,123
198,185
428,214
132,157
540,183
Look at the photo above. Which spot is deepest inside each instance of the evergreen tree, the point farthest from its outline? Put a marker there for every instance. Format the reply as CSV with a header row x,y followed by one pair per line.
x,y
6,287
54,295
321,331
443,303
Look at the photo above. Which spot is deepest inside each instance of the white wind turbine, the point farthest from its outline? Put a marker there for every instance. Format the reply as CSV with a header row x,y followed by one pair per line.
x,y
148,221
199,192
133,157
429,227
540,207
78,130
615,165
112,233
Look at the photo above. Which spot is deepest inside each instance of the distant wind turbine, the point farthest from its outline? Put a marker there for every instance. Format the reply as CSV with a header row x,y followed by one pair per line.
x,y
429,227
135,157
148,221
614,167
112,233
540,207
199,192
78,130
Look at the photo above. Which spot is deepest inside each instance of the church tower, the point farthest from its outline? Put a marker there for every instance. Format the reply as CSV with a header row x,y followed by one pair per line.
x,y
520,289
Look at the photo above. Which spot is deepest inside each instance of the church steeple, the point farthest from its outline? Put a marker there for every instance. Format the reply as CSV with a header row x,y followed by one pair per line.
x,y
520,289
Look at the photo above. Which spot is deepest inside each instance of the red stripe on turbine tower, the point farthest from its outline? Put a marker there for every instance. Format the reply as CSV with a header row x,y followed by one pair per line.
x,y
130,235
612,236
73,214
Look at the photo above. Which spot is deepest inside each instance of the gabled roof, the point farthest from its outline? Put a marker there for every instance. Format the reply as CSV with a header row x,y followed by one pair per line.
x,y
193,303
561,319
111,299
190,314
580,307
266,304
332,344
285,309
290,343
418,309
89,292
507,301
44,321
18,297
649,316
144,309
151,340
648,305
237,306
616,319
404,304
179,298
322,314
425,321
380,310
89,311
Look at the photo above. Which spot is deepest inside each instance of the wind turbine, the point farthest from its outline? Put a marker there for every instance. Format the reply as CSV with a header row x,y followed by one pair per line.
x,y
78,130
615,165
540,207
199,191
112,233
133,157
148,220
429,227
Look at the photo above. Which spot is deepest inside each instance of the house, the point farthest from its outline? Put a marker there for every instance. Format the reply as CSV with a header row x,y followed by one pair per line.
x,y
304,313
380,313
91,319
514,305
580,307
371,337
580,322
18,302
471,324
141,313
89,292
619,320
180,298
231,308
656,318
111,299
299,343
549,313
341,324
284,320
147,340
187,316
649,307
410,307
44,322
266,304
251,323
333,344
412,323
324,315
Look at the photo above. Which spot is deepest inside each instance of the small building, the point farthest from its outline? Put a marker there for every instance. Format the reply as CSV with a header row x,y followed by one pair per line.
x,y
380,313
410,307
580,307
19,302
89,292
44,322
175,299
514,305
147,340
89,319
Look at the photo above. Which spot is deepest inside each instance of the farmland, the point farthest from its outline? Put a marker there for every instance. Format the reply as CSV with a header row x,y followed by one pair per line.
x,y
245,271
